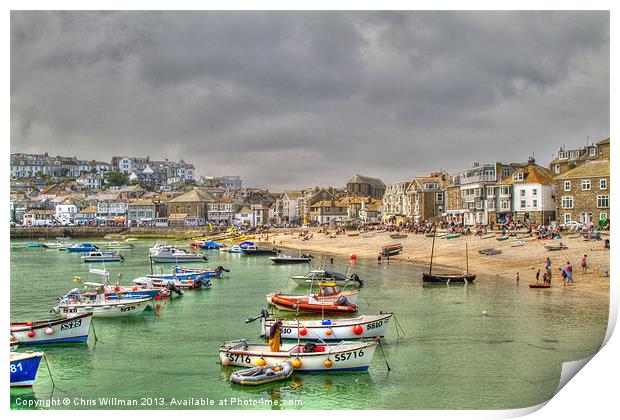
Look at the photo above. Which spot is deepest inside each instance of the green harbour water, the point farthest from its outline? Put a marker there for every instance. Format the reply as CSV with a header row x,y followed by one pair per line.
x,y
451,356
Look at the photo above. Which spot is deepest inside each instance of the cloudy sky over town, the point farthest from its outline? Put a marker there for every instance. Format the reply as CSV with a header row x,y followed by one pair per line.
x,y
294,99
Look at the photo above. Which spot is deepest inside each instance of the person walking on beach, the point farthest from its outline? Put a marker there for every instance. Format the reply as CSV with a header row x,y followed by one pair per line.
x,y
564,275
538,276
569,272
517,279
548,265
584,264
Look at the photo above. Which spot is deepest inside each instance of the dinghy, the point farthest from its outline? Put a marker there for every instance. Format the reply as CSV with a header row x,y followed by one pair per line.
x,y
556,247
34,245
452,236
308,357
118,245
254,250
517,243
262,374
539,285
398,236
24,368
503,238
68,330
488,236
365,326
311,305
391,250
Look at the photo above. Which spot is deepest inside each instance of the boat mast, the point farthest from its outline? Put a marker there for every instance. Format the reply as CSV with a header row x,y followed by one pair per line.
x,y
466,259
430,269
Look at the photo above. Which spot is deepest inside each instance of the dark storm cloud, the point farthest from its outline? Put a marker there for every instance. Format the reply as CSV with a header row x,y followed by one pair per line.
x,y
297,99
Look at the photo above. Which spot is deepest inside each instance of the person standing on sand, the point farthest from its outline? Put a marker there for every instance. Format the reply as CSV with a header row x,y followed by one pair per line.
x,y
584,264
538,276
569,272
548,265
517,279
564,275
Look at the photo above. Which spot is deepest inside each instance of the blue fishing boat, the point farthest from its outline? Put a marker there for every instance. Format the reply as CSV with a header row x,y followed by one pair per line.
x,y
24,368
238,249
34,245
211,245
85,247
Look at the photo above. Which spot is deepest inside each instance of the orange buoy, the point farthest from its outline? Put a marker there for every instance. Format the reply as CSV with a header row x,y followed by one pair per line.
x,y
296,363
157,297
261,362
328,363
226,361
329,331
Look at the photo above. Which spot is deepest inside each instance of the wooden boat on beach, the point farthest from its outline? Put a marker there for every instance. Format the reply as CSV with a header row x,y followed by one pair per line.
x,y
452,236
68,330
398,235
539,285
308,357
447,278
517,244
503,238
488,236
556,247
391,250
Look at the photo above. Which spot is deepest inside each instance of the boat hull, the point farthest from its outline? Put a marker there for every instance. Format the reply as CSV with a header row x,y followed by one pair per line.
x,y
338,329
448,278
258,376
177,259
24,368
68,330
292,305
260,252
108,309
348,357
277,260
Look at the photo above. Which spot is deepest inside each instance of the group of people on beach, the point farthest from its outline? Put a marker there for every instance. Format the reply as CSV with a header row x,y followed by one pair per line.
x,y
565,272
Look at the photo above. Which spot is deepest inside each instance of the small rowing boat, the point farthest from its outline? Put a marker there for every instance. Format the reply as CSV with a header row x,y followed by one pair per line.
x,y
390,250
262,374
118,245
539,285
68,330
488,236
308,357
503,238
317,276
311,305
398,236
517,243
24,368
287,259
328,292
452,236
171,254
490,251
556,247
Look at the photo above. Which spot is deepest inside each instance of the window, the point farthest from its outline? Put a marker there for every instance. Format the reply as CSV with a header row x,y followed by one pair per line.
x,y
505,190
535,192
517,176
603,184
522,193
505,172
567,217
593,151
567,202
557,168
535,203
490,191
522,204
439,197
563,155
585,184
603,216
566,185
602,201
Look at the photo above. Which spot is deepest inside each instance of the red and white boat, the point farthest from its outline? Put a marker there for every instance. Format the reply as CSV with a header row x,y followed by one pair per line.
x,y
328,292
365,326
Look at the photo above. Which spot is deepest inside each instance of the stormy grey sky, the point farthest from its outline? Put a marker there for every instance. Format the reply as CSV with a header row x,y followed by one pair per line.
x,y
293,99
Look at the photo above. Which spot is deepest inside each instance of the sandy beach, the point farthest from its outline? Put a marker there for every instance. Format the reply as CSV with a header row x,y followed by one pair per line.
x,y
450,255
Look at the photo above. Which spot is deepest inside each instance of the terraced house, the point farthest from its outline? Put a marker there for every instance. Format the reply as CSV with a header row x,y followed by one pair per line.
x,y
425,197
568,159
582,193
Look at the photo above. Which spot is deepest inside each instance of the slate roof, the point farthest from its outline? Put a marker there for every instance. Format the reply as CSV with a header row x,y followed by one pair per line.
x,y
362,179
593,168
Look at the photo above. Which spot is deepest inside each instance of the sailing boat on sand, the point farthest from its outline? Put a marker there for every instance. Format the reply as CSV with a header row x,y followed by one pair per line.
x,y
447,278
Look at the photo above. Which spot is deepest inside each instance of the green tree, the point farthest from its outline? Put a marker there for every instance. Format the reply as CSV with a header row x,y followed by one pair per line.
x,y
115,179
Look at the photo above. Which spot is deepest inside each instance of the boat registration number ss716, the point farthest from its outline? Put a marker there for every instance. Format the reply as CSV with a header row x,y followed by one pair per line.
x,y
343,357
71,324
241,358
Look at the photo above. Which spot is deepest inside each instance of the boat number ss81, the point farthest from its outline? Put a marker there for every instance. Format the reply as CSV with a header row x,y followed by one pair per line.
x,y
341,357
71,324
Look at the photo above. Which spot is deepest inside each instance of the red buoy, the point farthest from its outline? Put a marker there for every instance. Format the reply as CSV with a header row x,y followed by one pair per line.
x,y
157,297
303,332
358,330
31,334
353,256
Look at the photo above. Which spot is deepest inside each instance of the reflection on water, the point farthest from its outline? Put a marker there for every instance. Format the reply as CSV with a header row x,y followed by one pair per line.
x,y
463,346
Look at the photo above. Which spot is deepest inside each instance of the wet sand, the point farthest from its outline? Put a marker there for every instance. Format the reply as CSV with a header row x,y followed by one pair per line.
x,y
450,255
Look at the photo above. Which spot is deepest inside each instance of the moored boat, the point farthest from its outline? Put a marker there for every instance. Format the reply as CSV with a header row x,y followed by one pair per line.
x,y
328,292
84,247
390,250
100,307
365,326
24,367
67,330
287,259
308,357
315,276
312,305
398,236
170,254
99,256
210,245
254,250
34,245
447,278
118,245
262,374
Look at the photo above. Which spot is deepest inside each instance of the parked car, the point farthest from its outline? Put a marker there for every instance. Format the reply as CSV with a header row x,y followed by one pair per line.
x,y
572,225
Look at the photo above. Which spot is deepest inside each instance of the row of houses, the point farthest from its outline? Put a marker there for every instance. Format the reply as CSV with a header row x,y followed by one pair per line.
x,y
574,187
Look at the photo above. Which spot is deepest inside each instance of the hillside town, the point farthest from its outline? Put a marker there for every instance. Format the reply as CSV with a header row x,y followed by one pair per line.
x,y
572,189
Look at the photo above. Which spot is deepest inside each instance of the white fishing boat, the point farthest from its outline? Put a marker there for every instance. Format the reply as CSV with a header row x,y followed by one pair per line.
x,y
365,326
170,254
118,245
65,330
101,308
57,245
99,256
155,249
308,357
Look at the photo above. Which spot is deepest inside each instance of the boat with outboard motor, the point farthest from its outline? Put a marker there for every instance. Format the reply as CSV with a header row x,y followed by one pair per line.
x,y
365,326
118,245
90,290
68,330
315,276
84,247
328,292
311,305
171,254
238,249
308,357
254,250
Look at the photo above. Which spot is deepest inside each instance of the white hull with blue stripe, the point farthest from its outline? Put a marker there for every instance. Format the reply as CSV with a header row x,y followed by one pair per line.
x,y
68,330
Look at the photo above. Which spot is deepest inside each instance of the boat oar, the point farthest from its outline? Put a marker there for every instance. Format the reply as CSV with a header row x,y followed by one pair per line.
x,y
378,340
